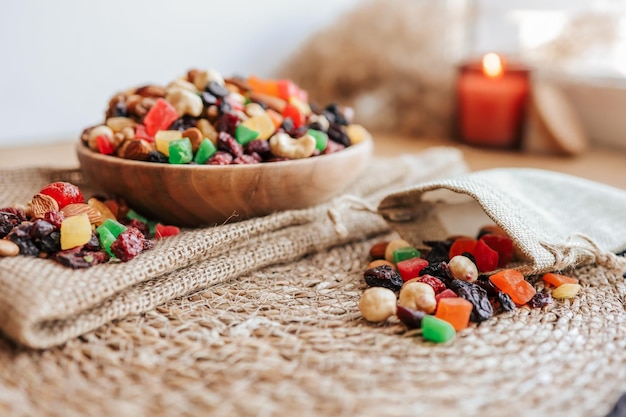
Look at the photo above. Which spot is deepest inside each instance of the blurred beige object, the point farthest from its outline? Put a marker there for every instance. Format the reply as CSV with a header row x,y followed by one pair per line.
x,y
553,126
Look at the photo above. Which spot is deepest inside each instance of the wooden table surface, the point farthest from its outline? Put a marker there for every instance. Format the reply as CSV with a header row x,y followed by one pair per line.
x,y
599,164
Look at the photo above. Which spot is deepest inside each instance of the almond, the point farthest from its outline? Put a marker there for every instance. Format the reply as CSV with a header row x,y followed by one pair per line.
x,y
195,136
136,149
82,208
104,210
40,205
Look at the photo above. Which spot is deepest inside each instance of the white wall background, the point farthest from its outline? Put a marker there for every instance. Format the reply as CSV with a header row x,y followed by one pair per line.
x,y
61,61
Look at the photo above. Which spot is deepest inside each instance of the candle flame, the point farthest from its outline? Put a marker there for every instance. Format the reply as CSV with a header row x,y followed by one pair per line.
x,y
492,65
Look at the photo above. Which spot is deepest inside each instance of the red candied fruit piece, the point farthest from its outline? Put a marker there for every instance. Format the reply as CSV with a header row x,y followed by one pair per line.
x,y
294,114
447,293
486,258
461,245
411,268
104,145
141,133
64,193
434,282
162,231
501,244
160,117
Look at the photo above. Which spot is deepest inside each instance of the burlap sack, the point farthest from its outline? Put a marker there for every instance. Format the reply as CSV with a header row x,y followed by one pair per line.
x,y
43,304
556,221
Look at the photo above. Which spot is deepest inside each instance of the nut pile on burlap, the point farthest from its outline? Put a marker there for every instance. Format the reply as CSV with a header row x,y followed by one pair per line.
x,y
260,318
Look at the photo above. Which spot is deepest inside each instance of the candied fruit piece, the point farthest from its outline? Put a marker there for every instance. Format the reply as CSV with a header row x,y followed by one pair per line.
x,y
321,139
437,330
180,151
160,116
454,310
113,226
245,135
104,144
462,245
486,258
513,283
403,254
294,114
356,133
75,231
501,244
262,124
447,293
411,268
163,139
206,150
557,280
64,193
161,231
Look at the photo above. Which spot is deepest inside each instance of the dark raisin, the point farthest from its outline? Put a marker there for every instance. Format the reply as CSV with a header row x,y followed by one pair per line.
x,y
8,221
208,98
227,143
27,245
119,110
316,126
17,211
217,89
287,124
540,299
411,318
434,282
128,244
51,243
383,276
334,111
505,301
41,228
488,286
439,270
224,107
156,156
93,244
79,258
474,294
220,158
183,123
470,257
619,409
439,251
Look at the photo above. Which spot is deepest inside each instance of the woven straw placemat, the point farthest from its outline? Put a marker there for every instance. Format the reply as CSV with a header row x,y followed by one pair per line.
x,y
288,340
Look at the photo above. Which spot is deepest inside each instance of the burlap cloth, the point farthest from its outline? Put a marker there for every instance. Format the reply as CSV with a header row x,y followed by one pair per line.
x,y
280,333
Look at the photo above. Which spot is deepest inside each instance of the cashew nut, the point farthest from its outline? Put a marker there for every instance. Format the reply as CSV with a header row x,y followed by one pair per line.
x,y
185,85
117,124
283,145
98,131
321,120
185,102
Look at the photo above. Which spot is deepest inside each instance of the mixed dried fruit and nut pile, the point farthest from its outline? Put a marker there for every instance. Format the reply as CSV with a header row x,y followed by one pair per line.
x,y
202,118
58,224
447,287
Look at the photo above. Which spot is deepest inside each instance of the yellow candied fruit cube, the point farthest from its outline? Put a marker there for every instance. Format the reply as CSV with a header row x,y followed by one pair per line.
x,y
262,124
163,138
357,133
75,231
303,107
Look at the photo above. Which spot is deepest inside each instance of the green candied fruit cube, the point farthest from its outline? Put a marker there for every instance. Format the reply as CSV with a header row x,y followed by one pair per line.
x,y
106,239
244,134
204,152
113,226
402,254
436,330
321,139
180,151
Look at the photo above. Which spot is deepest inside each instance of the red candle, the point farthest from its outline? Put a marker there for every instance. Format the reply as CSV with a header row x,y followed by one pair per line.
x,y
491,102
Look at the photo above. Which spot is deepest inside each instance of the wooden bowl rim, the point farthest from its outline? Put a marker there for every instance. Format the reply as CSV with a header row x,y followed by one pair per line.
x,y
115,160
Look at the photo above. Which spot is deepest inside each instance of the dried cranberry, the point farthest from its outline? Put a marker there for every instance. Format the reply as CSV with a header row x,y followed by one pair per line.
x,y
54,217
227,143
139,225
63,192
260,147
17,211
220,158
383,276
245,160
79,258
540,299
411,318
128,244
227,122
332,147
434,282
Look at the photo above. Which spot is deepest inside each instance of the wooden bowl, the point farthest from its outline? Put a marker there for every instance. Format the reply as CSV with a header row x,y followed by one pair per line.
x,y
196,195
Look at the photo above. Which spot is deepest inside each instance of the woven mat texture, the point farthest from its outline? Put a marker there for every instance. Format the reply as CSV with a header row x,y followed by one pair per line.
x,y
287,339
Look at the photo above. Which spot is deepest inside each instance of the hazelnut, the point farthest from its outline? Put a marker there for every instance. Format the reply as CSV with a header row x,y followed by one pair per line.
x,y
418,296
377,304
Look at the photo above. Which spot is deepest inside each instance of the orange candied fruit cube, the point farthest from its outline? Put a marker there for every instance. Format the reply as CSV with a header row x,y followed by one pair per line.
x,y
455,311
557,280
513,283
